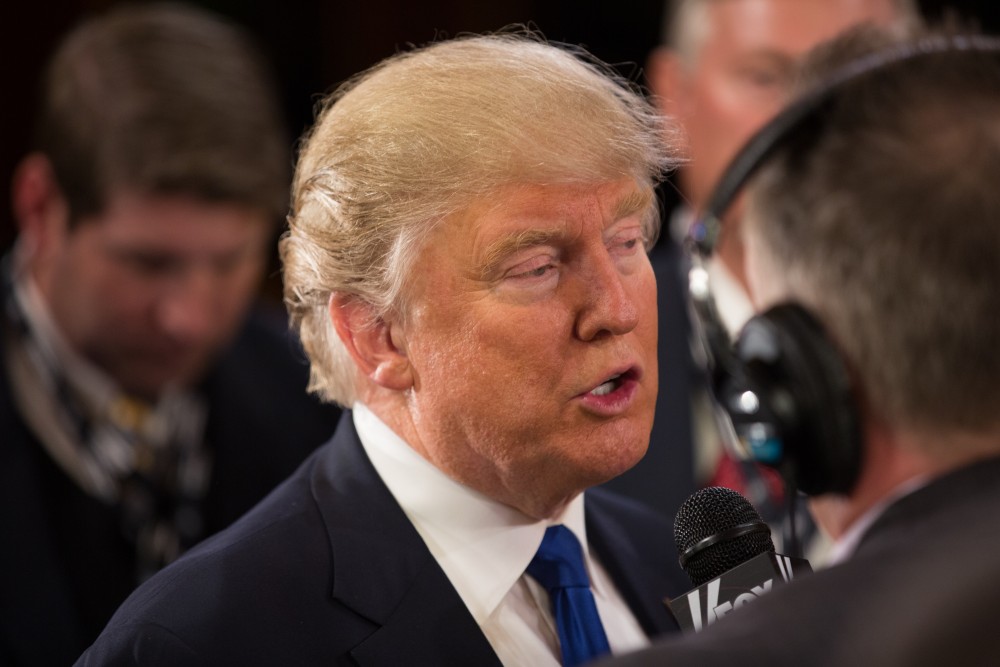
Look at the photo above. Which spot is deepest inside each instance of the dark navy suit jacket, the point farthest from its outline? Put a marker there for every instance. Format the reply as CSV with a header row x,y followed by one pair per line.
x,y
328,570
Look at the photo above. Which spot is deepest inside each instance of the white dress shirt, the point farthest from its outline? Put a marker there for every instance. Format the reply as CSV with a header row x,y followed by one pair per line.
x,y
484,547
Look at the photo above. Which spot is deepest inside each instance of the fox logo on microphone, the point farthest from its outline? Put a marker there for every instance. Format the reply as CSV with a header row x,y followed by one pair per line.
x,y
733,589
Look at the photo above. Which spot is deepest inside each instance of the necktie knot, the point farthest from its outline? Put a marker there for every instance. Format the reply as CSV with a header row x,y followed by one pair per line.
x,y
558,566
559,560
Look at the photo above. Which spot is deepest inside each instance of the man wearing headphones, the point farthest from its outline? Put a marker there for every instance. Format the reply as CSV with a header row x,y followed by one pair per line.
x,y
724,69
873,255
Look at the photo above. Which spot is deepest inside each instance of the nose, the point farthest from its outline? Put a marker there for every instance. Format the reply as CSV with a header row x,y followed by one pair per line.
x,y
608,306
189,308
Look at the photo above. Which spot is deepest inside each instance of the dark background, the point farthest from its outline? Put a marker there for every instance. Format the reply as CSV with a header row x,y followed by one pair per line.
x,y
315,44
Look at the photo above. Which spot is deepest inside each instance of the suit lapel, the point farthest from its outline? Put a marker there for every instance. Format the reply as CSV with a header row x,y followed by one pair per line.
x,y
430,626
384,571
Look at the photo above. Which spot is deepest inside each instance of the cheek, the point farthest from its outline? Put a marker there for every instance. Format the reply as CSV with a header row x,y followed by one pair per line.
x,y
717,128
648,333
493,361
531,340
122,310
92,298
123,292
645,297
729,111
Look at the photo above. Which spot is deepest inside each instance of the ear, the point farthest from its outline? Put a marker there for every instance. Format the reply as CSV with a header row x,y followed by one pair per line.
x,y
665,75
376,344
39,207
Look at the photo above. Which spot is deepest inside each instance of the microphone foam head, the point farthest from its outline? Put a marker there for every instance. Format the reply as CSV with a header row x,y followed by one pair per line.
x,y
712,513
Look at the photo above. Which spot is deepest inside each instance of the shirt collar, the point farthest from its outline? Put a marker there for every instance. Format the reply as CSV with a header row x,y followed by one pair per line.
x,y
94,385
482,545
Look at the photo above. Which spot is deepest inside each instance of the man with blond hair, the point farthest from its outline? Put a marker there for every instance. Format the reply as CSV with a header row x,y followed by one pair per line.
x,y
466,266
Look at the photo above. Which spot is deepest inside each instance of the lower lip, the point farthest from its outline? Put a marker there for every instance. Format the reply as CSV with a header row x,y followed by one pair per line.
x,y
614,403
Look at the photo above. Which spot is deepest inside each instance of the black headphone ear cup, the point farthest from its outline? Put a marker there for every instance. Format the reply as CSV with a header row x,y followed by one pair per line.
x,y
806,403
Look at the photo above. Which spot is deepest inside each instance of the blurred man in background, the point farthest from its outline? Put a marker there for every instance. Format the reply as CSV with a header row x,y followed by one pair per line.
x,y
142,405
727,67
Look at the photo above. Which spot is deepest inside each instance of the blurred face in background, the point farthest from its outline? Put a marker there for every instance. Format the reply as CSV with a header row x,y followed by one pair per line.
x,y
151,288
743,60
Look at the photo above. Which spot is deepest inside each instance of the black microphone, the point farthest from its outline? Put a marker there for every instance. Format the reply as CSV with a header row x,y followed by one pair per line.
x,y
727,551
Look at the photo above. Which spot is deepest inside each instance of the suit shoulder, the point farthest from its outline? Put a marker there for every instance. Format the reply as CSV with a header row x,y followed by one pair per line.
x,y
238,577
628,512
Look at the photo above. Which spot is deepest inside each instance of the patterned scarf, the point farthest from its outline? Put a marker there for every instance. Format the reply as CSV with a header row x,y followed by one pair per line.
x,y
148,461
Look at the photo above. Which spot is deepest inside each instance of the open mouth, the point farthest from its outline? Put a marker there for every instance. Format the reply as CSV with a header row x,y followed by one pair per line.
x,y
611,384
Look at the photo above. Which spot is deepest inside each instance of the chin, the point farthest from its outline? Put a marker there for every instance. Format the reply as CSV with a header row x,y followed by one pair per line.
x,y
615,461
627,442
625,463
151,385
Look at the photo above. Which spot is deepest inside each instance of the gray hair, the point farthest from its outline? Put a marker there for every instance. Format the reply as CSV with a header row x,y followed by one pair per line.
x,y
423,135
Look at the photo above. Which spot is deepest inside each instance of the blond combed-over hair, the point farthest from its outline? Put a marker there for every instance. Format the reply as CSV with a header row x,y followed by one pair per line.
x,y
423,135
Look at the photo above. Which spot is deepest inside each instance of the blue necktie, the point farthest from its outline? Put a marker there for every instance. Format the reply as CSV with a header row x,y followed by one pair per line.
x,y
558,567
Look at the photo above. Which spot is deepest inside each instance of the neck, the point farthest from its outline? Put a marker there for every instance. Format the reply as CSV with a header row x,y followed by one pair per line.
x,y
730,251
535,498
893,458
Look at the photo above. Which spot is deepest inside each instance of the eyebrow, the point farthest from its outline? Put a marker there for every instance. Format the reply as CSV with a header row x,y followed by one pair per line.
x,y
634,202
507,246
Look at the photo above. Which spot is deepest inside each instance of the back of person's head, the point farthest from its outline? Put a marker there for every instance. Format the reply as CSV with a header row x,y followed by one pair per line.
x,y
880,214
162,99
425,134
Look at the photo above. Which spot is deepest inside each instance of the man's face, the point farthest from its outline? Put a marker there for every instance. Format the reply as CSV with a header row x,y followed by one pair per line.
x,y
532,336
151,289
742,73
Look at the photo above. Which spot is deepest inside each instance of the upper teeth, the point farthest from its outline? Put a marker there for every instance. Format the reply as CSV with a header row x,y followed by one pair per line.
x,y
606,388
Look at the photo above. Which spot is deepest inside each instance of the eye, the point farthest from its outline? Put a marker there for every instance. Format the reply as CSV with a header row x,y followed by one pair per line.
x,y
536,273
232,262
535,270
626,242
763,78
151,265
768,78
